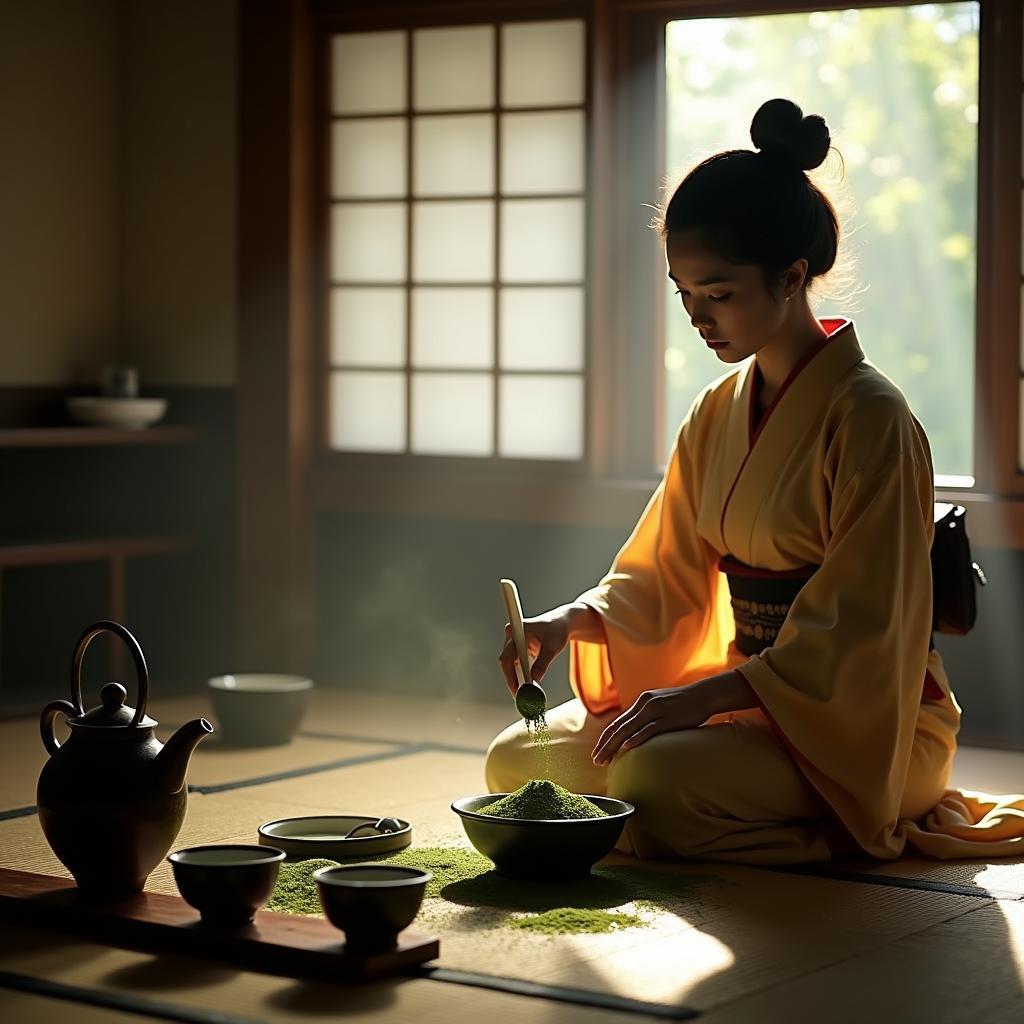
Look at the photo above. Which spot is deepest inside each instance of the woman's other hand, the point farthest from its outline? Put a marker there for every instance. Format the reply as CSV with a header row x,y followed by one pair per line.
x,y
654,712
546,637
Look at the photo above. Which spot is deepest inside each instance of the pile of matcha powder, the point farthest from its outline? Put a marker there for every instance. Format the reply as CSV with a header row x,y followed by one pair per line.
x,y
541,800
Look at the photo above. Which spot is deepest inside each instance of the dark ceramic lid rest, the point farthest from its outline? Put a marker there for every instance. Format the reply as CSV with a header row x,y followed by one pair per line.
x,y
113,711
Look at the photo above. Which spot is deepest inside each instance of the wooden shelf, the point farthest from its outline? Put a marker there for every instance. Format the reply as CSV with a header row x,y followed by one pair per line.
x,y
95,549
81,437
115,551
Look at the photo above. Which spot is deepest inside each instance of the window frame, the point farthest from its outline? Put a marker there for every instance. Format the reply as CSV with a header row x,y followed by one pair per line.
x,y
623,281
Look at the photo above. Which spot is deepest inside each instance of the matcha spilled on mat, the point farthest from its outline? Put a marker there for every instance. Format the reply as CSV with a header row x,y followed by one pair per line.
x,y
464,882
541,800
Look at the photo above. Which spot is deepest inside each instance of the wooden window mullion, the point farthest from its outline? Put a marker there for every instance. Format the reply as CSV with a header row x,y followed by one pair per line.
x,y
409,193
496,323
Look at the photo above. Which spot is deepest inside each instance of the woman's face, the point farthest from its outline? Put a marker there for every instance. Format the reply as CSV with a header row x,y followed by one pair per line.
x,y
728,303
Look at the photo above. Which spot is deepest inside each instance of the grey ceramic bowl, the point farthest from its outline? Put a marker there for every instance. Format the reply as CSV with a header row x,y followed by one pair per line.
x,y
550,850
259,709
226,884
323,836
371,903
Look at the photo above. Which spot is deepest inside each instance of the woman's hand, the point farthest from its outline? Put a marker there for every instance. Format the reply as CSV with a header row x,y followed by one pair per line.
x,y
653,712
546,637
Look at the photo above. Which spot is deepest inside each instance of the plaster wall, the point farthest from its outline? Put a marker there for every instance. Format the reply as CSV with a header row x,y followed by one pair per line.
x,y
59,176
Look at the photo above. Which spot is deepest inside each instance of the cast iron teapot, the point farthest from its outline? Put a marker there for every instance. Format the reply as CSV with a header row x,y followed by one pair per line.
x,y
112,798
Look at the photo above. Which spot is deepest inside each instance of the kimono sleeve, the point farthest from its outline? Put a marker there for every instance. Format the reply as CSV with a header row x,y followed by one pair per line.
x,y
842,682
660,602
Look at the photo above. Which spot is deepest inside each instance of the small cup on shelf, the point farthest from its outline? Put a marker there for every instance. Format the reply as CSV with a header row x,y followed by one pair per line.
x,y
120,382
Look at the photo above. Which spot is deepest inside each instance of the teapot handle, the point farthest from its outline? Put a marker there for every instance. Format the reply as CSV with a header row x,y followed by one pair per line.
x,y
50,712
141,672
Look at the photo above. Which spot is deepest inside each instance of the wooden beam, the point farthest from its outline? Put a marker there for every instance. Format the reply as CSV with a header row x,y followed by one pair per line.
x,y
275,252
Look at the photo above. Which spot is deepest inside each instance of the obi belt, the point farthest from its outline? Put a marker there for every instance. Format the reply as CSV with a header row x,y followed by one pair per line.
x,y
761,599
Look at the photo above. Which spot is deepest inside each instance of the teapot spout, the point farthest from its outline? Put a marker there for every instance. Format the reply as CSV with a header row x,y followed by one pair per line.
x,y
172,762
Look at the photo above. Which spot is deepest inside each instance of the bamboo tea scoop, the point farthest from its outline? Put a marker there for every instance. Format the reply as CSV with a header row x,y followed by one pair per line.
x,y
531,701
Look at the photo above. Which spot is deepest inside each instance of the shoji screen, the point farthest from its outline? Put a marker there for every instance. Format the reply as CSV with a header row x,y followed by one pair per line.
x,y
457,219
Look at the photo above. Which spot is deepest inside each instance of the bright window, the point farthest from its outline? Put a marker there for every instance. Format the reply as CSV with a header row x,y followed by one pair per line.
x,y
898,87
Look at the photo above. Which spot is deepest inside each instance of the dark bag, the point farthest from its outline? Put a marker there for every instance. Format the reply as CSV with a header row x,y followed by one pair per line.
x,y
954,574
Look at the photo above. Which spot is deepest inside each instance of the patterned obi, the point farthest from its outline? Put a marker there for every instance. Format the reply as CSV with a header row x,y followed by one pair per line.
x,y
760,604
761,600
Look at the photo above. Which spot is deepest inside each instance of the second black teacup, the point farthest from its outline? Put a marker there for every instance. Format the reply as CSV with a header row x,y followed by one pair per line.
x,y
371,903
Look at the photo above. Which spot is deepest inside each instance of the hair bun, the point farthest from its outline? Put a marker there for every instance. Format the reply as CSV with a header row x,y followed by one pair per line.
x,y
780,128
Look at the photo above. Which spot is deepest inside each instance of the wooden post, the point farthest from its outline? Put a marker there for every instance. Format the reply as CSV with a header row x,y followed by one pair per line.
x,y
275,229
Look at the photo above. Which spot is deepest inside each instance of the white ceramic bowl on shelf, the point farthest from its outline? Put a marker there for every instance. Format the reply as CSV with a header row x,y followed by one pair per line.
x,y
127,413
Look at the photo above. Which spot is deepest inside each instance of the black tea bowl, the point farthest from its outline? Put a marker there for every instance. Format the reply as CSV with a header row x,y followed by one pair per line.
x,y
371,903
226,884
542,850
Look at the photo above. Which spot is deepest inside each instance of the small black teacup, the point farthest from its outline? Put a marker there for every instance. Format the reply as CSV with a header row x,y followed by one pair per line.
x,y
226,884
371,903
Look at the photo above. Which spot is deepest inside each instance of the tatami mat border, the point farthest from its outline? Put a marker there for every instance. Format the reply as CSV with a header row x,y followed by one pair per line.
x,y
450,748
397,749
402,750
121,1001
17,812
897,881
555,993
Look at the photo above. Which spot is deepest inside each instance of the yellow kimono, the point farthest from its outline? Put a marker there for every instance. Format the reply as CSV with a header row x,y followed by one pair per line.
x,y
835,482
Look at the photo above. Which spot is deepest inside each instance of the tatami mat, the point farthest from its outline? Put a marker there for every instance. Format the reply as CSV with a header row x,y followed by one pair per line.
x,y
35,1009
731,935
188,983
960,971
735,937
368,716
212,764
1003,879
385,787
215,765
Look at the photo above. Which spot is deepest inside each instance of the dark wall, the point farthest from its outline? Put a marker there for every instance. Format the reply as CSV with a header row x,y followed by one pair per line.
x,y
412,605
179,606
985,666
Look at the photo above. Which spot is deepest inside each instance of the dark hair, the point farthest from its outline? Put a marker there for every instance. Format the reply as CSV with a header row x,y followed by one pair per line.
x,y
761,208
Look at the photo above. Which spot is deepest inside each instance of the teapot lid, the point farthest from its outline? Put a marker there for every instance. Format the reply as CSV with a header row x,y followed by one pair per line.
x,y
113,711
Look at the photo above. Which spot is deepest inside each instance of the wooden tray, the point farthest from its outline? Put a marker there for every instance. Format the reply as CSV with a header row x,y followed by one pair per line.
x,y
274,944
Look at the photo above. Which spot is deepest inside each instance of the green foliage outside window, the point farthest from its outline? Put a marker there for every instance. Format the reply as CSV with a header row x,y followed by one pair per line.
x,y
898,88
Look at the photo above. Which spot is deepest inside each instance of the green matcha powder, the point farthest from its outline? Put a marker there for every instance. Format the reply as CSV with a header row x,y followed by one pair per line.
x,y
534,715
541,800
464,883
